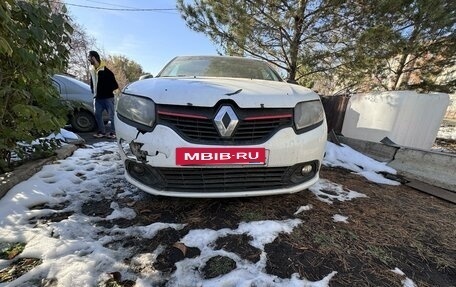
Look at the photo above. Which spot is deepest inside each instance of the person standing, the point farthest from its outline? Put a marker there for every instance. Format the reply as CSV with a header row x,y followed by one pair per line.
x,y
103,84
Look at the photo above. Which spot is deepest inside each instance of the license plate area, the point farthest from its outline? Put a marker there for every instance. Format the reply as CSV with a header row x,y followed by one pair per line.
x,y
220,156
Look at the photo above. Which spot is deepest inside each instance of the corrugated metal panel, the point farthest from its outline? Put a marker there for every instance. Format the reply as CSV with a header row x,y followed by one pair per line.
x,y
406,117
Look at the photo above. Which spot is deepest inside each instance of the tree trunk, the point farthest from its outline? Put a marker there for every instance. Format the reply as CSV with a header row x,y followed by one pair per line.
x,y
405,54
296,40
399,72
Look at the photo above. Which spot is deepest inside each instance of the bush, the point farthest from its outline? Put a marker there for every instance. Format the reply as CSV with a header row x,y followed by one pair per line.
x,y
33,45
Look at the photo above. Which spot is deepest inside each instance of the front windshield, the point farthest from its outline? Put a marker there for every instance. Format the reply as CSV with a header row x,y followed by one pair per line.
x,y
224,67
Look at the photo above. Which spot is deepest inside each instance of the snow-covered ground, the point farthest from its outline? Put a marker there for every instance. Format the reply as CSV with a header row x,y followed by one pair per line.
x,y
447,133
446,140
74,250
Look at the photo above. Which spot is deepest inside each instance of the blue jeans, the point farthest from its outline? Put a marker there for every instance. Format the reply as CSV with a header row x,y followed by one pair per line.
x,y
101,105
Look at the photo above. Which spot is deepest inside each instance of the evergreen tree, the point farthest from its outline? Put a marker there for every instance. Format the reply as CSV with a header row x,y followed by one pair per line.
x,y
287,33
400,44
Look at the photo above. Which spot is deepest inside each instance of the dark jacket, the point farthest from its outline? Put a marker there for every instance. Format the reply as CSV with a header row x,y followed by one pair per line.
x,y
106,84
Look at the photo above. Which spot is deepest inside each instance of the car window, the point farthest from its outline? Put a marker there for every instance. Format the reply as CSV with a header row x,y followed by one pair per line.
x,y
225,67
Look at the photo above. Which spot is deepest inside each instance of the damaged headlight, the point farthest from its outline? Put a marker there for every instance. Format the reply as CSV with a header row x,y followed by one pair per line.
x,y
136,111
307,115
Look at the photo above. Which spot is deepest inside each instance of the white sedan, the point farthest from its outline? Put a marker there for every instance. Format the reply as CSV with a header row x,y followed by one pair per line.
x,y
213,126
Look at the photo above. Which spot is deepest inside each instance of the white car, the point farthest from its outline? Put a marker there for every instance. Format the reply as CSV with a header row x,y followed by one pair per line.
x,y
213,126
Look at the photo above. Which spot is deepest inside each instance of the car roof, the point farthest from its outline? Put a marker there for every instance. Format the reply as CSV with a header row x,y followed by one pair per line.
x,y
73,84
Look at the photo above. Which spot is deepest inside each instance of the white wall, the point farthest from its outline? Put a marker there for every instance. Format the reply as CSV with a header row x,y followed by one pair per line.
x,y
406,117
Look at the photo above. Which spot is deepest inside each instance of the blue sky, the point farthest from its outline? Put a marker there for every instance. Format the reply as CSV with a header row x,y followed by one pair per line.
x,y
150,38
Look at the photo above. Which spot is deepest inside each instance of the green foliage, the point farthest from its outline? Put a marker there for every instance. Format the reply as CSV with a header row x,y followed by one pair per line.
x,y
9,251
251,216
338,45
400,44
41,148
33,46
286,33
381,254
217,266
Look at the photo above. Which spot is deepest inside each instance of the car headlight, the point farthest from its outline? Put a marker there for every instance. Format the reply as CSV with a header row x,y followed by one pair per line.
x,y
308,114
139,110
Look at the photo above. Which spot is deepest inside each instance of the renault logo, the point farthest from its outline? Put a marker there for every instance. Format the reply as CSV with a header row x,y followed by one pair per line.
x,y
226,121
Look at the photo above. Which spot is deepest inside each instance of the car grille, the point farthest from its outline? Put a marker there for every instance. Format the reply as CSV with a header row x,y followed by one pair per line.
x,y
196,125
219,179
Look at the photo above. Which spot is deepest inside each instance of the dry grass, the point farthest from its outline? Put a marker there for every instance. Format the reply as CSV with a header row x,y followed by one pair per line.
x,y
395,226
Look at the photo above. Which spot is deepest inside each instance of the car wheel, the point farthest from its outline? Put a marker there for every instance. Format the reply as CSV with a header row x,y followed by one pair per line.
x,y
83,121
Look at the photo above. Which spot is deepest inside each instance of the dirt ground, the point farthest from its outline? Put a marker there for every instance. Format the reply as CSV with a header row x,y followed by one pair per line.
x,y
446,146
394,226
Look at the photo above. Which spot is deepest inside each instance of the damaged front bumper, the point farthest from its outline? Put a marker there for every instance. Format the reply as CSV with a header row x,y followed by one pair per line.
x,y
292,164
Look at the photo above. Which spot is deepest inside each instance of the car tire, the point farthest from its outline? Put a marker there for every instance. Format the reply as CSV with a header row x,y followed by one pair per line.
x,y
83,121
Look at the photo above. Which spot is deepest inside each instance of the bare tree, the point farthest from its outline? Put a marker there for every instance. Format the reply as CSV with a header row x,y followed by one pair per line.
x,y
80,45
125,70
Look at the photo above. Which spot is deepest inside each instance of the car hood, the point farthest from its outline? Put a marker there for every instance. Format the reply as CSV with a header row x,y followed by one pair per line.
x,y
207,92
